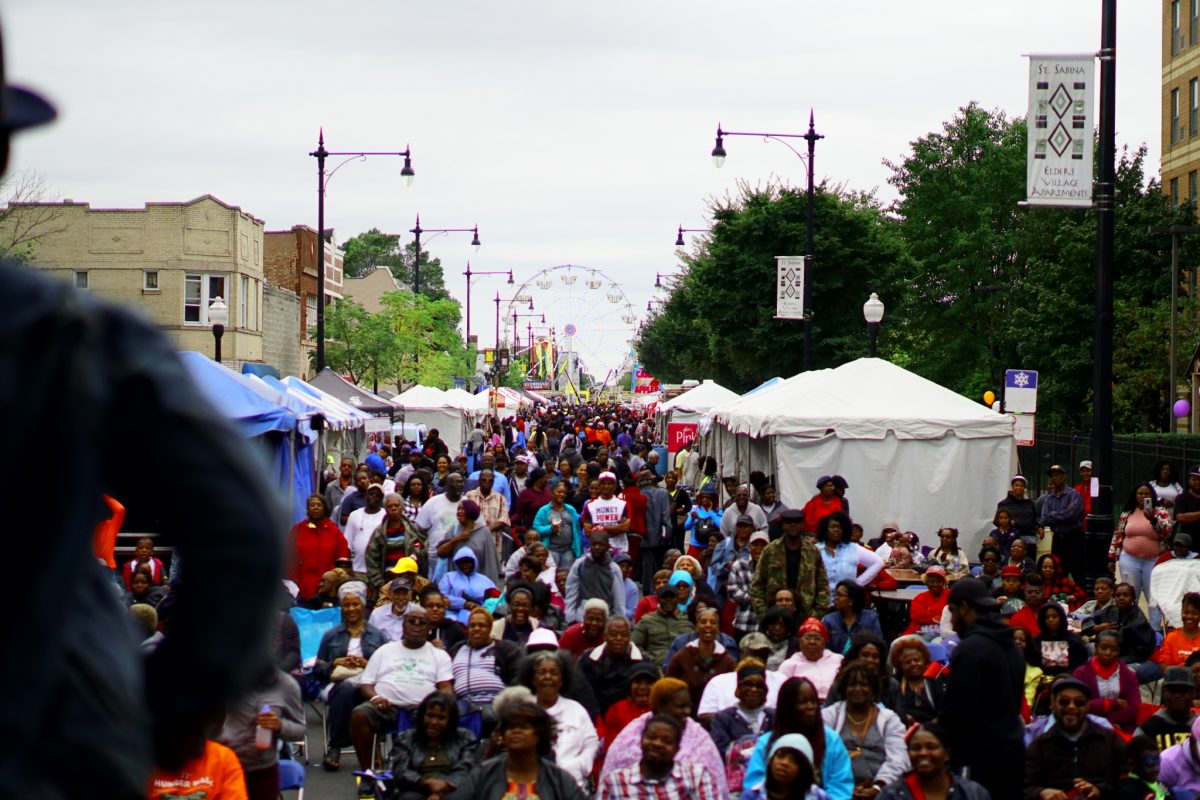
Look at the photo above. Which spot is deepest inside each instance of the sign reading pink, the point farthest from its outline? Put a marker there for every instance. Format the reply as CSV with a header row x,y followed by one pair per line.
x,y
679,434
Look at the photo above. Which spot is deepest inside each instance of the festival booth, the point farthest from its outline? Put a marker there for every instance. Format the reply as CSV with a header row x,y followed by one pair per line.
x,y
281,426
379,411
476,405
508,402
678,417
425,405
911,450
344,433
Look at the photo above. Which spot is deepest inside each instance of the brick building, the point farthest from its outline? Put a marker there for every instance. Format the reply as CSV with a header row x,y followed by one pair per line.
x,y
168,260
1180,99
290,262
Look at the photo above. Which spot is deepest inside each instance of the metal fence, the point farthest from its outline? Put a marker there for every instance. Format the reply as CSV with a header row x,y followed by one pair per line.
x,y
1133,459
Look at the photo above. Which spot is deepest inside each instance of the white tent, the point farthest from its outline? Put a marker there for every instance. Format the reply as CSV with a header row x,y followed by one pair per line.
x,y
425,405
475,404
911,450
684,412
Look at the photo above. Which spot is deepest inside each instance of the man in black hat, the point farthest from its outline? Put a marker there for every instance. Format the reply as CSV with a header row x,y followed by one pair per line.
x,y
1074,759
982,705
792,562
99,375
1187,508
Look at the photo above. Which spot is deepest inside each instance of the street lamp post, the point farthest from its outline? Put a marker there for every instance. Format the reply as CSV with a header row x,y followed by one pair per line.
x,y
682,230
496,357
218,316
811,136
470,274
417,230
873,314
406,173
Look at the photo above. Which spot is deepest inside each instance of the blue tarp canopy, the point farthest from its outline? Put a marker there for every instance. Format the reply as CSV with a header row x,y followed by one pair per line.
x,y
261,412
764,385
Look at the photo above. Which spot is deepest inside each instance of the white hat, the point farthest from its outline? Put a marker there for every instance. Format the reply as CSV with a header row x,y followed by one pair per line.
x,y
794,741
542,637
608,476
1085,465
760,536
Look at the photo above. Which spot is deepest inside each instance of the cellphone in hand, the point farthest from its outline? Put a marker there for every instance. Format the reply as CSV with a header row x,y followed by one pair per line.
x,y
1148,504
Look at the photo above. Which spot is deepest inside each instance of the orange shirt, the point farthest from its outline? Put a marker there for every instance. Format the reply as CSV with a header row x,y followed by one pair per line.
x,y
1176,648
215,775
104,540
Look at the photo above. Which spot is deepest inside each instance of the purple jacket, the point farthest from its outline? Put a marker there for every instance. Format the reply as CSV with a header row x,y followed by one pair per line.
x,y
1124,719
1180,769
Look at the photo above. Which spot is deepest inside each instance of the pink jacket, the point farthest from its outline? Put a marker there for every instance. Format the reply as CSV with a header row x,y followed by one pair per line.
x,y
1125,718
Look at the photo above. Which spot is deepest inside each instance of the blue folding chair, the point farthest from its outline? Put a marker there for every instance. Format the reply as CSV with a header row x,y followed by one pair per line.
x,y
291,776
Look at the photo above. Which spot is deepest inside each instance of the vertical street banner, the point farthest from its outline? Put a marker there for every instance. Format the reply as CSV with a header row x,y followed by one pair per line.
x,y
789,287
1058,167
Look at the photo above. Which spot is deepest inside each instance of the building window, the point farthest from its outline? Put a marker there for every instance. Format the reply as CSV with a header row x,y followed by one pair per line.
x,y
1194,20
1192,189
81,279
1175,27
1174,116
150,280
1174,194
1194,107
244,303
310,314
198,292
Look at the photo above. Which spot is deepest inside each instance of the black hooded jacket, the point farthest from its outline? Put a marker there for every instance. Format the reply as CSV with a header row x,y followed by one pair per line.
x,y
981,708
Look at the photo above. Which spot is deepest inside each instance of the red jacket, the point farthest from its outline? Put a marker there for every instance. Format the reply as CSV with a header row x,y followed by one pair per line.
x,y
312,549
635,503
1085,491
818,508
926,610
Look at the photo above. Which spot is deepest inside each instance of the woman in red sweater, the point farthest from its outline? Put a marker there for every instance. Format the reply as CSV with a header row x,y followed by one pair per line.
x,y
1114,686
927,607
824,503
313,545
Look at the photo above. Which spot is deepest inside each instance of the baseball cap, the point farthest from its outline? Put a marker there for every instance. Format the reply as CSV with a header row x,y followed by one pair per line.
x,y
1011,571
608,476
1195,471
1178,676
745,519
378,486
1085,464
1055,468
936,569
973,591
542,637
1180,538
890,526
667,591
792,515
761,536
1020,478
754,641
1070,682
404,565
621,557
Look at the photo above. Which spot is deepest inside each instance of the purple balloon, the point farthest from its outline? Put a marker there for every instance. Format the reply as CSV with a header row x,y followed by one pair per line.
x,y
1182,408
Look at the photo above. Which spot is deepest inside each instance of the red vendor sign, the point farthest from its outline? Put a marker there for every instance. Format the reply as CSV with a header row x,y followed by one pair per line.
x,y
644,382
679,434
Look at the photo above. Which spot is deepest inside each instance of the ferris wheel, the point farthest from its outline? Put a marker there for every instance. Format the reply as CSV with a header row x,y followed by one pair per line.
x,y
588,321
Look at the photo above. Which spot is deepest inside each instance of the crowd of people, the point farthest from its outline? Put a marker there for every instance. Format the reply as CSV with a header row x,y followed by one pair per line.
x,y
552,613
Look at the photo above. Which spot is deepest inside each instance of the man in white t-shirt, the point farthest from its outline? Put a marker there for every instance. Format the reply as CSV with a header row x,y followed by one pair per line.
x,y
439,515
720,692
361,524
608,513
398,677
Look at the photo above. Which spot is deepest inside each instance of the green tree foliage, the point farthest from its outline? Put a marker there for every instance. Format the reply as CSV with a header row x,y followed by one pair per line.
x,y
413,339
994,286
368,251
719,321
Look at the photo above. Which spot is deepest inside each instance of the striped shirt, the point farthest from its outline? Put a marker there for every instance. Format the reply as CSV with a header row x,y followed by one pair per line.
x,y
686,782
476,677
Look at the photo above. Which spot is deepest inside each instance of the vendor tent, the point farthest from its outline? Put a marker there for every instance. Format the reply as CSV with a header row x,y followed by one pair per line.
x,y
344,430
910,449
269,423
677,418
379,409
425,405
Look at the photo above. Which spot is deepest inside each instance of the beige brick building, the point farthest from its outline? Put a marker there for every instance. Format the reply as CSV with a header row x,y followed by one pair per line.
x,y
1180,99
368,290
167,260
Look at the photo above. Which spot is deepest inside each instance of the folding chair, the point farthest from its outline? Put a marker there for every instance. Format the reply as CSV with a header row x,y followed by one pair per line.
x,y
291,776
313,625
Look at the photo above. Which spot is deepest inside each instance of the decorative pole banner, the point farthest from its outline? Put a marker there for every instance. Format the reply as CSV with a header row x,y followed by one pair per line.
x,y
789,287
1061,116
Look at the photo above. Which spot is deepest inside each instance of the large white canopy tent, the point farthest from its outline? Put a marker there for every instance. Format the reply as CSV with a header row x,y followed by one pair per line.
x,y
425,405
911,450
686,410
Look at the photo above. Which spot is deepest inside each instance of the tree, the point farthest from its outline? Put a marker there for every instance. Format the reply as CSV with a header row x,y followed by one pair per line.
x,y
30,213
992,286
720,319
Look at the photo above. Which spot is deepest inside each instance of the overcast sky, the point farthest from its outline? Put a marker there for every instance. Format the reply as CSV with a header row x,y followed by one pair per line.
x,y
569,132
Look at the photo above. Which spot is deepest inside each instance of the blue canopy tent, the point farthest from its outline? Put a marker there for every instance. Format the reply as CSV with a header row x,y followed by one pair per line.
x,y
303,453
764,385
274,426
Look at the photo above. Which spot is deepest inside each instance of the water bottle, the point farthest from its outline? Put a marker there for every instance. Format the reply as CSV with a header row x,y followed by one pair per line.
x,y
263,737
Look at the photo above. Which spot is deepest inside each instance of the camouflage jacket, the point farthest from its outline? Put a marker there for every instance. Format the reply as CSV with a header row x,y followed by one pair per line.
x,y
812,589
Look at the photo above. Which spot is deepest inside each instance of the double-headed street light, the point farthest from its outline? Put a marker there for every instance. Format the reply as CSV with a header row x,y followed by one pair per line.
x,y
873,314
406,174
496,357
472,274
418,230
718,156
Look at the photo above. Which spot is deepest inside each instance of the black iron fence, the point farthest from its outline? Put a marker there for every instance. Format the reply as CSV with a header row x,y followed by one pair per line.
x,y
1134,458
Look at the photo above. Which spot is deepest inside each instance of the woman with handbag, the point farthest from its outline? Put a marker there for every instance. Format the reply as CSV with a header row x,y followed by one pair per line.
x,y
341,658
